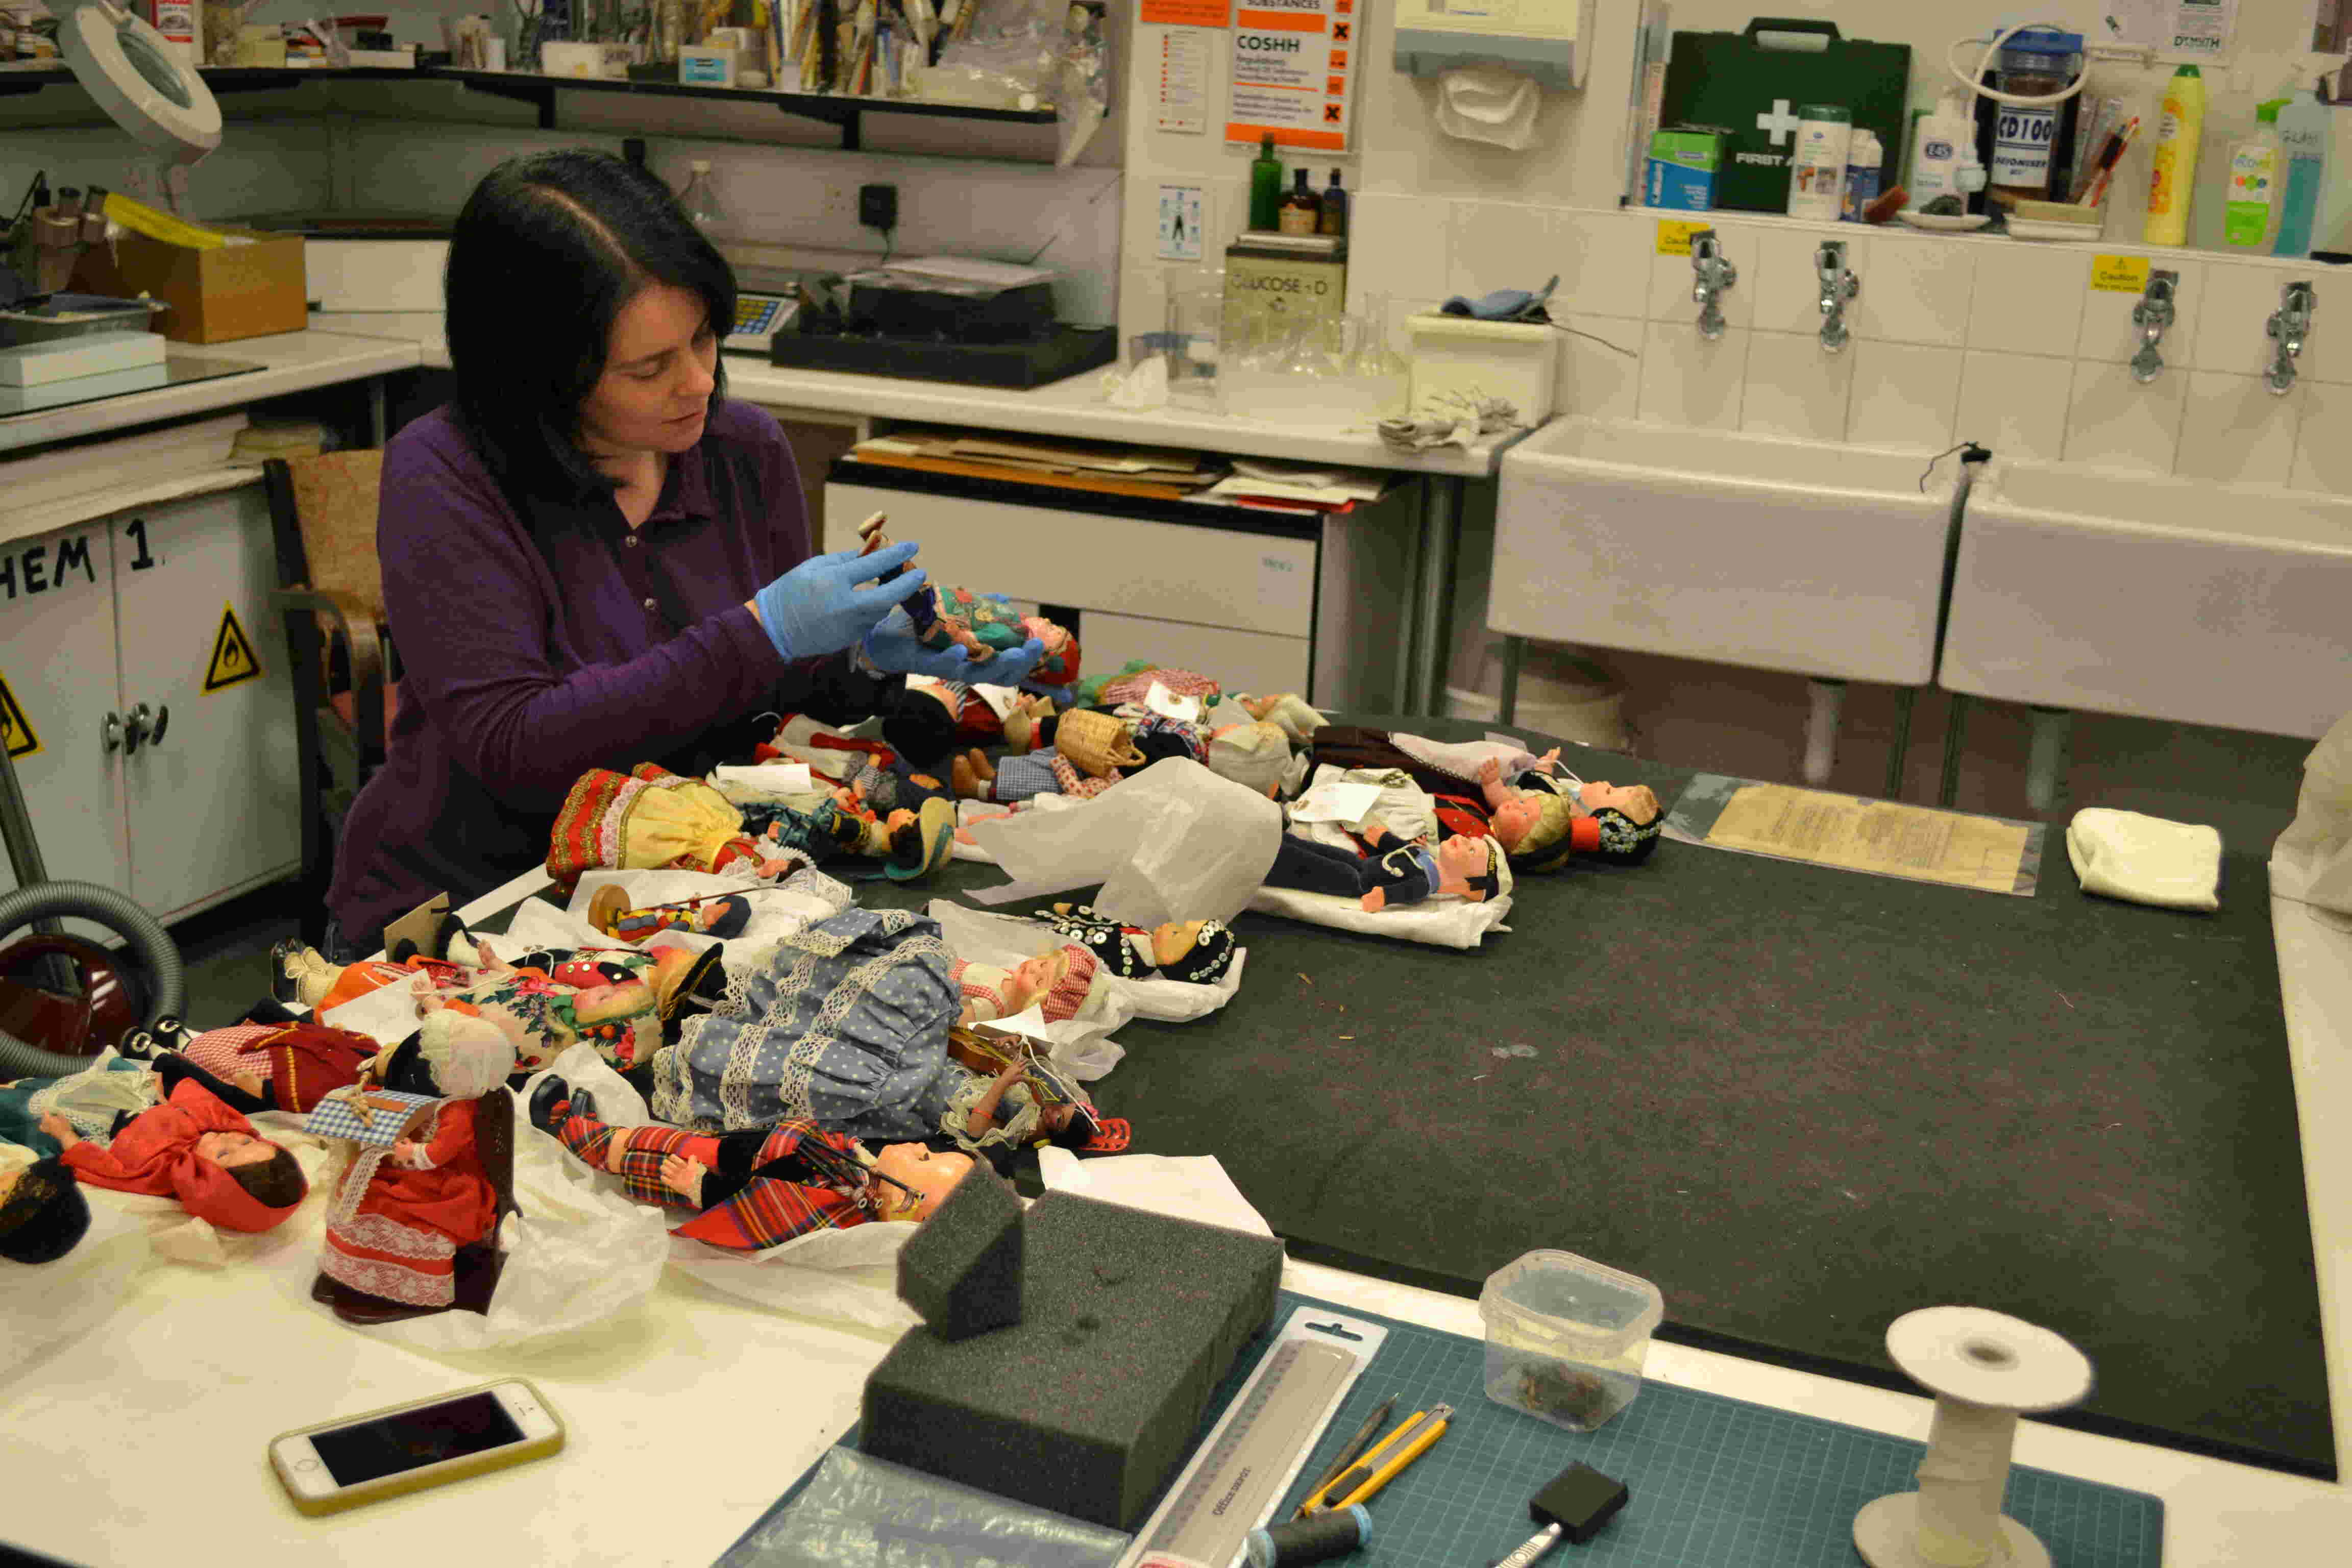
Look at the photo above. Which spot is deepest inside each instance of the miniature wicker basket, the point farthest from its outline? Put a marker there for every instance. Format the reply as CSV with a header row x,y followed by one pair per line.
x,y
1098,744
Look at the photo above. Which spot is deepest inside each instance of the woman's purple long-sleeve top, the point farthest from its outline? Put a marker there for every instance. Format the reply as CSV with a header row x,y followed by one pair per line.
x,y
535,647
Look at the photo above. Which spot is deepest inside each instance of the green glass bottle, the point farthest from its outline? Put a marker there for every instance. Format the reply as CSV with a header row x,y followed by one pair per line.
x,y
1265,186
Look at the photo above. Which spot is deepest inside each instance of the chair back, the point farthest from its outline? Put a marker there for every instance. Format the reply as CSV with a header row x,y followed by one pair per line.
x,y
324,507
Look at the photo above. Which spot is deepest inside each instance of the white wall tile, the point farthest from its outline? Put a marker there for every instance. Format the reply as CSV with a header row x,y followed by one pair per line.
x,y
1917,290
1788,290
2108,334
1795,388
1688,380
1903,395
2115,422
2238,302
2235,429
1604,263
2014,404
1498,245
2028,300
1671,278
2328,350
1594,381
2323,458
1396,247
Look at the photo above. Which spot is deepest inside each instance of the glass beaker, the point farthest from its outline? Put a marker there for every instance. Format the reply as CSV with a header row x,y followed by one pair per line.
x,y
1195,329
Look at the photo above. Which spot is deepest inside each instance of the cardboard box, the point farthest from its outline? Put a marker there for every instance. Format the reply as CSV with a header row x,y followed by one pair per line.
x,y
215,296
1683,166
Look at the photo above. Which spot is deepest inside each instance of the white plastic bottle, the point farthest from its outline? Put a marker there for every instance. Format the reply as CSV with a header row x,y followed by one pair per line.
x,y
1945,143
2303,129
1817,166
2249,212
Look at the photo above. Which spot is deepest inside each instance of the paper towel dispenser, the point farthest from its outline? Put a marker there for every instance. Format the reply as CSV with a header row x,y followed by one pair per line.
x,y
1543,41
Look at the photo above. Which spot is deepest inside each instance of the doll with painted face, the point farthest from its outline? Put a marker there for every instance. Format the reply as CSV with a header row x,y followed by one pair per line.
x,y
1059,982
43,1215
754,1188
1544,825
1195,952
618,1000
1396,873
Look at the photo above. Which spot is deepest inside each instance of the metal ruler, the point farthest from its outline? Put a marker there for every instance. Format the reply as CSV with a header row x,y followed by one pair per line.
x,y
1258,1446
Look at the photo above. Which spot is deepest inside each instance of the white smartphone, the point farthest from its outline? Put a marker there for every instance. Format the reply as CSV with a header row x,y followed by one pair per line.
x,y
405,1447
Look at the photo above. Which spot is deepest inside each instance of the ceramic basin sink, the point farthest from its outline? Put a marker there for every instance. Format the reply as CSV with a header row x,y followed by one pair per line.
x,y
1823,561
2164,598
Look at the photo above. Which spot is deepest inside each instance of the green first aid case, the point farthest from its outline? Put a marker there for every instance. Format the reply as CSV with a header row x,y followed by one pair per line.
x,y
1755,81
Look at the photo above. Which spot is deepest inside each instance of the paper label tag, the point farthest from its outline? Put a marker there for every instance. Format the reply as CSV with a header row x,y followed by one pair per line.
x,y
1168,705
2119,274
776,778
1335,800
1674,235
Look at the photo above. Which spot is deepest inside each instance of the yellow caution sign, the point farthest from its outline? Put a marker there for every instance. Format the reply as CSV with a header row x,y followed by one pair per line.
x,y
2119,274
232,659
15,726
1675,234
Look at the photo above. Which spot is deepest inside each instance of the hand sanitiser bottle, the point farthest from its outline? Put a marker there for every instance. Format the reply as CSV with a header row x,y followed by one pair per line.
x,y
2250,218
2179,132
2304,128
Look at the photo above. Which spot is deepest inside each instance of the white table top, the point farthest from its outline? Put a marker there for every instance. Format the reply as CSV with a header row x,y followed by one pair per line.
x,y
691,1417
291,362
1071,408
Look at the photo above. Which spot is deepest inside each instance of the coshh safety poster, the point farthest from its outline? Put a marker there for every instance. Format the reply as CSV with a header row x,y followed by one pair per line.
x,y
1293,72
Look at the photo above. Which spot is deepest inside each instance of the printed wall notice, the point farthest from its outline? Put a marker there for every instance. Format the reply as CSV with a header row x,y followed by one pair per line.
x,y
1189,13
1184,103
1293,73
2192,30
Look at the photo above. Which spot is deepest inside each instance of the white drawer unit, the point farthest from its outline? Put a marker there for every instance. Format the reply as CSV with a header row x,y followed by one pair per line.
x,y
1259,601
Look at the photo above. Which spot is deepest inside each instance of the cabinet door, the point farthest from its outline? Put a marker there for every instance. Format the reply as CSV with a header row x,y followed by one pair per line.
x,y
214,806
57,659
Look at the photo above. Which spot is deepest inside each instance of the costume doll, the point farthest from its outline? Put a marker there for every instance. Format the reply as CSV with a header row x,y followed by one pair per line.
x,y
1059,982
1197,951
1398,872
1011,779
1537,818
617,999
755,1188
650,818
43,1215
107,1128
982,624
1287,713
402,1216
723,915
262,1066
1256,755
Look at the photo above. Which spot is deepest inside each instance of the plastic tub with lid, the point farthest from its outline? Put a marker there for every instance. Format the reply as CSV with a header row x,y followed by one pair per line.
x,y
1566,1336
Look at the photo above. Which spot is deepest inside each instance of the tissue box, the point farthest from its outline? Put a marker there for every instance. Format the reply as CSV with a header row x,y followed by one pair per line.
x,y
1683,167
701,65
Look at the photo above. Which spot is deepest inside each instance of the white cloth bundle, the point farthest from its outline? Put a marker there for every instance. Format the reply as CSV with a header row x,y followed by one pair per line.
x,y
2126,855
2312,861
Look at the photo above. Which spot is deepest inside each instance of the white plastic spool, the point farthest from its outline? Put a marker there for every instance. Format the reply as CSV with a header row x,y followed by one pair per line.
x,y
1985,1369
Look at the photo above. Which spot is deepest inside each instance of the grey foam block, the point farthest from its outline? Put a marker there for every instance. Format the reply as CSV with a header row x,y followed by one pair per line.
x,y
961,1271
1090,1405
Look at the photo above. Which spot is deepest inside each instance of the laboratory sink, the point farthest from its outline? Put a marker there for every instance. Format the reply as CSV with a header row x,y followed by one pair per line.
x,y
2164,598
1819,559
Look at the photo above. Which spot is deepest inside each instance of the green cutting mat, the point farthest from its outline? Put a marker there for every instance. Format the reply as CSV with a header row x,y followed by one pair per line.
x,y
1715,1482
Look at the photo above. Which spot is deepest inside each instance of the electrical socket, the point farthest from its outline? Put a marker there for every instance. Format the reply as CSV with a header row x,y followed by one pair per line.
x,y
877,206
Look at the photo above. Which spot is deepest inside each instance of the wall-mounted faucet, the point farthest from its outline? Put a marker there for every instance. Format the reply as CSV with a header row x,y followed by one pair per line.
x,y
1839,284
2290,327
1713,276
2152,315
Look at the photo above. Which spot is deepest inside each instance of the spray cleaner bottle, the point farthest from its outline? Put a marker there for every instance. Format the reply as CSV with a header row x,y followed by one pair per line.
x,y
2179,135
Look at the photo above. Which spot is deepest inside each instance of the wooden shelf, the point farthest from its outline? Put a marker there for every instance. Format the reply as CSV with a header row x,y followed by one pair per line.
x,y
835,109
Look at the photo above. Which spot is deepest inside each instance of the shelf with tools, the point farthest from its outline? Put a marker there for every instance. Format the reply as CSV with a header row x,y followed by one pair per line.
x,y
842,110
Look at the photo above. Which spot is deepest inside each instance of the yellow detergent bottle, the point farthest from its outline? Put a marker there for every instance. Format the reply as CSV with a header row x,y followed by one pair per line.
x,y
2181,131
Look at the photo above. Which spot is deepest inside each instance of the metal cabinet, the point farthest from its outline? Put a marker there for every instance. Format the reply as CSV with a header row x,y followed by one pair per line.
x,y
151,709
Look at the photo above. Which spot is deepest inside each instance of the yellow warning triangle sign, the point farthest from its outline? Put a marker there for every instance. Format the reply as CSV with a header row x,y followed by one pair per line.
x,y
22,741
233,658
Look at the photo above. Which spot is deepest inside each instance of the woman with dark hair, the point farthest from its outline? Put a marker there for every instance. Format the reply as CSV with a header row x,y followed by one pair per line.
x,y
592,557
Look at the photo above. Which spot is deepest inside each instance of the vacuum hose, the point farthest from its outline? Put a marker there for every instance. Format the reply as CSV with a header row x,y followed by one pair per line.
x,y
87,901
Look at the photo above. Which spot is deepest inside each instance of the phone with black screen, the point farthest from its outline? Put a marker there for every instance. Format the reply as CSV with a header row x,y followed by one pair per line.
x,y
357,1459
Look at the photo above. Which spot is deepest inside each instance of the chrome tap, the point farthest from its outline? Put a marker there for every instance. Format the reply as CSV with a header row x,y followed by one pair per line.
x,y
1714,275
2152,315
1838,286
2290,327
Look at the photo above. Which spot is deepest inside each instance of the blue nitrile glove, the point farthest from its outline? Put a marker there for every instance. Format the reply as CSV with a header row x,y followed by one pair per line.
x,y
893,648
1502,305
818,607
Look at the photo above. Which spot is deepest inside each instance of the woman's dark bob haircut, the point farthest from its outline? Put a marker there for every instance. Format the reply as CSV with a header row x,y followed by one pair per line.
x,y
551,246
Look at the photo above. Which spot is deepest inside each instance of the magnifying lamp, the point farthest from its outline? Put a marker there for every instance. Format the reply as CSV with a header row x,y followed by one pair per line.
x,y
136,78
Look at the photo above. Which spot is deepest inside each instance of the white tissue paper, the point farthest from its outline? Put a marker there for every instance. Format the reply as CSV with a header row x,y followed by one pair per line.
x,y
1487,103
1173,842
2312,861
1182,1186
1081,1047
775,778
2126,855
1437,922
386,1014
45,1305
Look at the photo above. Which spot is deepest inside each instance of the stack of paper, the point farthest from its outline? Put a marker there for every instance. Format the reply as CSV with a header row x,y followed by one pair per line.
x,y
1295,487
1082,464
